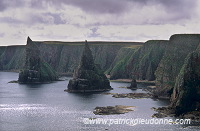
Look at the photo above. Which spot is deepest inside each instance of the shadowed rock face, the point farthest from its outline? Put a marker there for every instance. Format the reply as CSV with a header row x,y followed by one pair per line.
x,y
180,45
186,93
88,77
35,70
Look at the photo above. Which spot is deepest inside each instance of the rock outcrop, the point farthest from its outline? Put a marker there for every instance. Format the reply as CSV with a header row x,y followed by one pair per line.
x,y
186,93
111,110
35,69
88,77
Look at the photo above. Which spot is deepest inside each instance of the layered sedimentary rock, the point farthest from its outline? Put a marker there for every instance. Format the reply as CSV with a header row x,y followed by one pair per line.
x,y
88,77
180,45
186,93
35,69
138,62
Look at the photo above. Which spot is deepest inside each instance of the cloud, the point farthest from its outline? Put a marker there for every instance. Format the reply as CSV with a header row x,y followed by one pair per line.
x,y
9,20
2,6
2,34
136,20
6,4
157,11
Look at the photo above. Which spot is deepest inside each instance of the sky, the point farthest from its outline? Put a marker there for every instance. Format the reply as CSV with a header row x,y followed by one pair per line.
x,y
96,20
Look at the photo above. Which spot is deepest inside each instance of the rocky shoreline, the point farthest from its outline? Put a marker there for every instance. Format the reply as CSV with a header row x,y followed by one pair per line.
x,y
170,112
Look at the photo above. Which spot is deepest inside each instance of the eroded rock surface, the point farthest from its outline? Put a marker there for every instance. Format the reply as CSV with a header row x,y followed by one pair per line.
x,y
88,77
35,69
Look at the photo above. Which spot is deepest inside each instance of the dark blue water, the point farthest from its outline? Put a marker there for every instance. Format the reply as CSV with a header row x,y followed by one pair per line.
x,y
46,107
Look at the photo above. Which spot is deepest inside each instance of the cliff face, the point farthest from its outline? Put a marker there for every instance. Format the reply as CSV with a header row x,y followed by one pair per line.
x,y
64,57
12,57
179,47
35,69
186,93
88,77
139,62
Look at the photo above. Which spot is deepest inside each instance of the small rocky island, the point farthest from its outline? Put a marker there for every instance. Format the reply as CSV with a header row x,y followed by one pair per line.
x,y
110,110
35,69
88,77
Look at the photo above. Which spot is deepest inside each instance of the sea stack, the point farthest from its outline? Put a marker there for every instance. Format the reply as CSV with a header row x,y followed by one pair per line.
x,y
88,77
35,69
133,85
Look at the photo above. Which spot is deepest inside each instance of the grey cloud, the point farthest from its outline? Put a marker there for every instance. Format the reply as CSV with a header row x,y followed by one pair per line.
x,y
116,6
170,5
43,18
2,6
35,19
176,9
105,6
2,34
9,20
94,32
5,4
101,6
56,18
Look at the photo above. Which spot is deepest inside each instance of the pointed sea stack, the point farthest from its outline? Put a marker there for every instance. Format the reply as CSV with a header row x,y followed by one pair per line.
x,y
88,77
35,69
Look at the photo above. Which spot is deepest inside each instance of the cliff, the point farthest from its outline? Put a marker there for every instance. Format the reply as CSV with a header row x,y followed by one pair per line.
x,y
186,92
64,57
180,45
12,57
35,69
139,62
88,77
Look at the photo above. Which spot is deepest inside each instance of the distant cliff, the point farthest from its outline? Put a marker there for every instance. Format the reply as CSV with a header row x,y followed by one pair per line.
x,y
63,56
138,62
12,57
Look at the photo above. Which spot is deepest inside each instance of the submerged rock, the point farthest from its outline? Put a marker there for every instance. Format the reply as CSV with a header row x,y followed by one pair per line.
x,y
35,69
110,110
88,77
